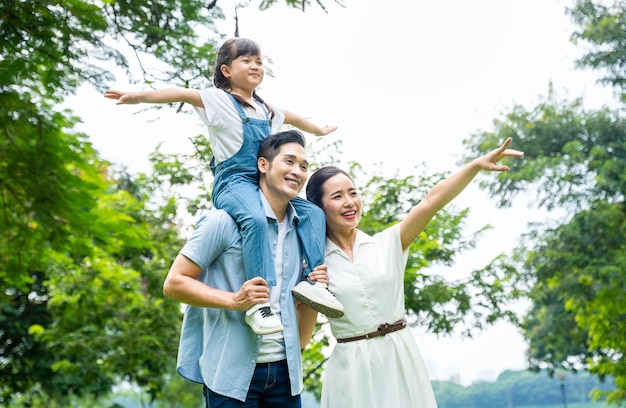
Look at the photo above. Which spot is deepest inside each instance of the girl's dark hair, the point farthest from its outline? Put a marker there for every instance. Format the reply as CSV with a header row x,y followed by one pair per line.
x,y
315,185
231,49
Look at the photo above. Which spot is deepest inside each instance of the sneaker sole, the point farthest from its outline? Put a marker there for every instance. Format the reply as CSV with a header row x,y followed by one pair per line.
x,y
320,307
262,332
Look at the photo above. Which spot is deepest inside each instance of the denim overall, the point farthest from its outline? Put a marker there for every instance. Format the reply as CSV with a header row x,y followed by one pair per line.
x,y
236,191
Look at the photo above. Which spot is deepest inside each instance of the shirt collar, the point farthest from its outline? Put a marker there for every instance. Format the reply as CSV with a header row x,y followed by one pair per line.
x,y
291,214
361,239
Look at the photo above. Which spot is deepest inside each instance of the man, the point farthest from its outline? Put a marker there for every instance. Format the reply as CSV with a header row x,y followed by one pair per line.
x,y
217,348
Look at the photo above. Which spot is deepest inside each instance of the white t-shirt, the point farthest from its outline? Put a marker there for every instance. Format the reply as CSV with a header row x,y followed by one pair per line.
x,y
224,123
273,345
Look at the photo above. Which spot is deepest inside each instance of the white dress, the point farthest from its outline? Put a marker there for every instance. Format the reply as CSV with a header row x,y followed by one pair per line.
x,y
380,372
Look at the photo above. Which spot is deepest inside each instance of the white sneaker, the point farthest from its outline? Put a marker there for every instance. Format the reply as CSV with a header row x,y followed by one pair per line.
x,y
262,320
317,296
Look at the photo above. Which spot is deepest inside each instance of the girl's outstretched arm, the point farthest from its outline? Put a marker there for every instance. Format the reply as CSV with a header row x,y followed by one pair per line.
x,y
448,189
307,126
166,95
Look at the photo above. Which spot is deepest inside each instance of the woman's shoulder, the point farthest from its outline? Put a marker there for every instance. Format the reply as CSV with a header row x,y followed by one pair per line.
x,y
388,232
388,237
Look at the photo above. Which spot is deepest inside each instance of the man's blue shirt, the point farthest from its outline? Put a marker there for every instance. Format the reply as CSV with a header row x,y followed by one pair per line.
x,y
217,347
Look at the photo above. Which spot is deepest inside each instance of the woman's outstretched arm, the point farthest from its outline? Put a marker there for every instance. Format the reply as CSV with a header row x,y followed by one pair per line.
x,y
444,192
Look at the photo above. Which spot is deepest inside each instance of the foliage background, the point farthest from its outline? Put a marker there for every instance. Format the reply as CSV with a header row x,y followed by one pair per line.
x,y
85,244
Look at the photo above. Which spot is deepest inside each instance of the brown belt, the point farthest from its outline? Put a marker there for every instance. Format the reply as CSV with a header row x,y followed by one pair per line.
x,y
382,330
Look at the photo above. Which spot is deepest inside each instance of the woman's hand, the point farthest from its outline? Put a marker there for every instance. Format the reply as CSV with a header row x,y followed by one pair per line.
x,y
490,160
319,274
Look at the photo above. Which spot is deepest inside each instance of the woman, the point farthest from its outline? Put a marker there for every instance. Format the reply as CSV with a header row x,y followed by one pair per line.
x,y
376,363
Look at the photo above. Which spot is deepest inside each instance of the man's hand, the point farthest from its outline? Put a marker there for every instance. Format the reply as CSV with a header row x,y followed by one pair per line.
x,y
252,292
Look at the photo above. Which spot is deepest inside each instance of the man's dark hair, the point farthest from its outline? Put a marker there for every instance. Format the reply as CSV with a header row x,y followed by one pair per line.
x,y
271,145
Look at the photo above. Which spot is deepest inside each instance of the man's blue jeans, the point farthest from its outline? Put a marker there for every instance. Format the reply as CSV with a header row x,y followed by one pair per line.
x,y
270,388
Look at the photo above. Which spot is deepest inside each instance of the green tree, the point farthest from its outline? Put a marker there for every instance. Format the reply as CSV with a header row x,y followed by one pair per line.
x,y
601,25
520,389
84,247
575,164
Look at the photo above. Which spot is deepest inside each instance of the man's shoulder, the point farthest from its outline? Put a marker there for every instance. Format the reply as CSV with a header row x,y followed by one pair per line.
x,y
219,221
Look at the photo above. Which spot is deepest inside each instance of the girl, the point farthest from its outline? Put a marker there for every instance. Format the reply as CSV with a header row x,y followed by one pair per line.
x,y
238,119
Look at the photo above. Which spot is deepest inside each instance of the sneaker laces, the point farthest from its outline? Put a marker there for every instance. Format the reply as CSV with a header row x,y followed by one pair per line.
x,y
328,290
266,311
325,287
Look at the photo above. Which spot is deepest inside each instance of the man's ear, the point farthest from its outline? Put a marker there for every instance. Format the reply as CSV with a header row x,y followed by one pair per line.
x,y
262,165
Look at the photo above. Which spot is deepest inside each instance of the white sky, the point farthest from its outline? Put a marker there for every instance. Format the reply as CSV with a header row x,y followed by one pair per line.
x,y
405,81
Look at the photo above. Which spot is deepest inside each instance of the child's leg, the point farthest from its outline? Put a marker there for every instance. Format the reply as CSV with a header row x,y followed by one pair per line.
x,y
311,231
241,200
